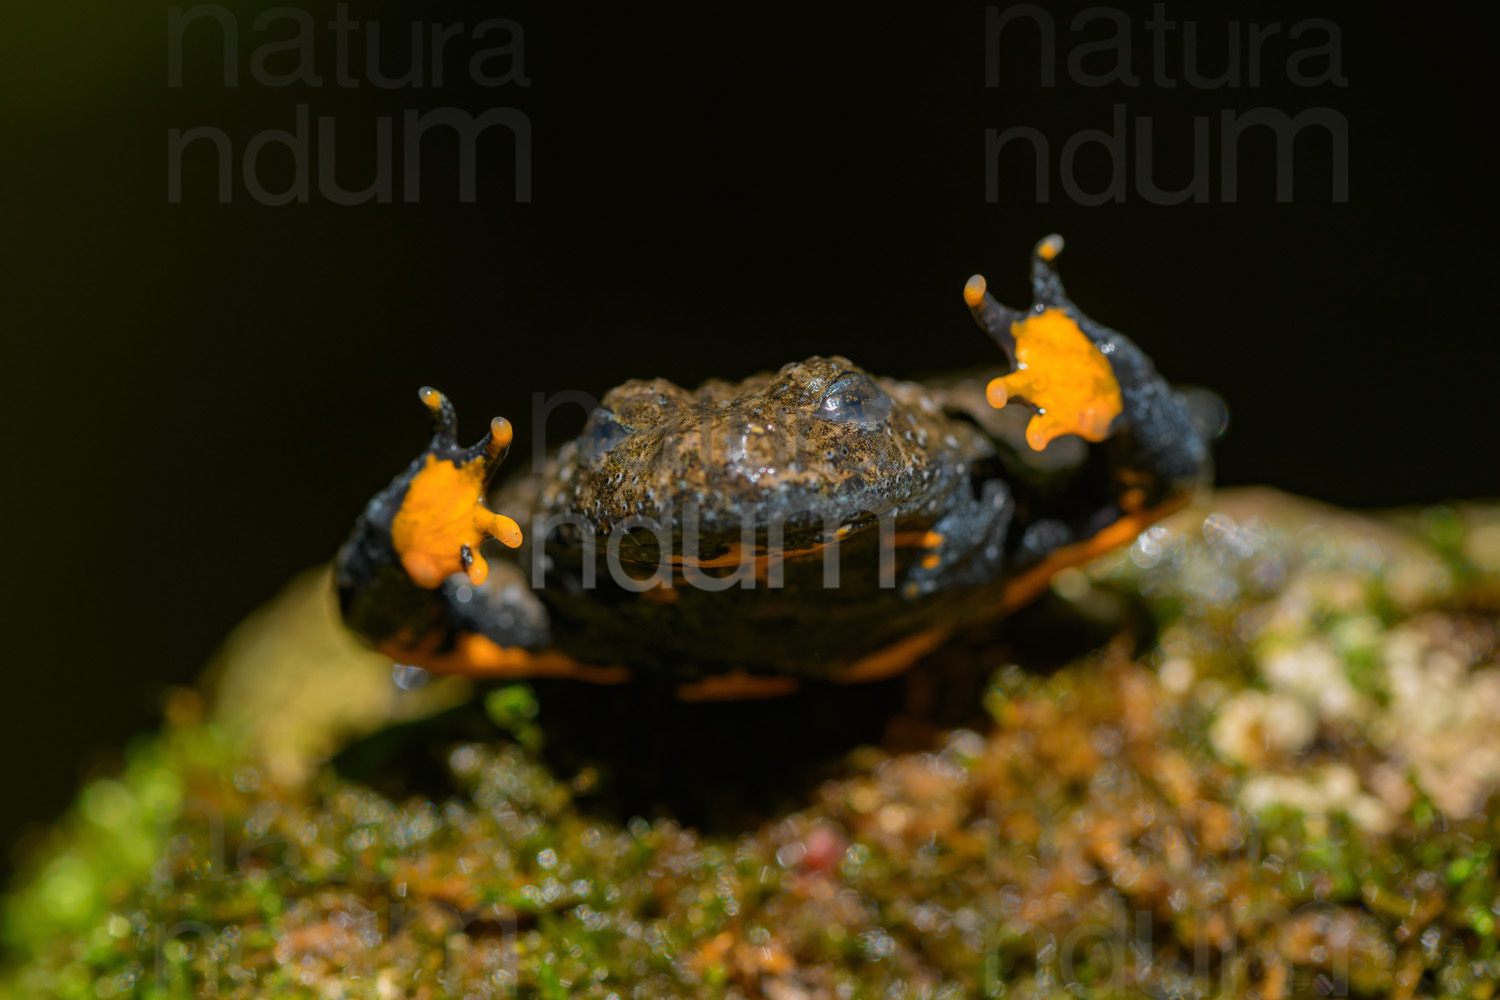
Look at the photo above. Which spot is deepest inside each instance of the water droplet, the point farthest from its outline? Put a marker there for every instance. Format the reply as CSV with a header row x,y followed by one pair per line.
x,y
408,677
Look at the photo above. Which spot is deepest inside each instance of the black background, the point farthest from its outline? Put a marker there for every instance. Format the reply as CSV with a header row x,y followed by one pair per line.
x,y
201,396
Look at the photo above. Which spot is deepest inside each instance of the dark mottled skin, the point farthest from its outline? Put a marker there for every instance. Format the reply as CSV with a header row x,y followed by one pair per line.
x,y
816,453
761,450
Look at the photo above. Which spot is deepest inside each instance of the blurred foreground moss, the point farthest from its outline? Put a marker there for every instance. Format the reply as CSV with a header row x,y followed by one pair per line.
x,y
1288,790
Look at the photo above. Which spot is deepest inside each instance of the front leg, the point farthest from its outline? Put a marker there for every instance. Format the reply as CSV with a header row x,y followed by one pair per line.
x,y
413,582
1145,454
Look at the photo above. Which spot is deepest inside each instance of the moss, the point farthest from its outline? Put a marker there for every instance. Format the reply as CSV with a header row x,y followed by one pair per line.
x,y
1103,831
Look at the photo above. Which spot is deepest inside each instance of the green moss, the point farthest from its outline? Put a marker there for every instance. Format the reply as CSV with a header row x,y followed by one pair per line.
x,y
1259,803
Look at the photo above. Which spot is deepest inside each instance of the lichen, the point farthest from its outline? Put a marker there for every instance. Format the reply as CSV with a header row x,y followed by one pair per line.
x,y
1288,789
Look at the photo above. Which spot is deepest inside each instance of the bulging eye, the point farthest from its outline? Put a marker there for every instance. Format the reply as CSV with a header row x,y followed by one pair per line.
x,y
601,433
853,398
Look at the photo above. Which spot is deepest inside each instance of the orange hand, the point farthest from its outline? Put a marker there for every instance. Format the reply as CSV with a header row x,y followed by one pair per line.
x,y
1064,375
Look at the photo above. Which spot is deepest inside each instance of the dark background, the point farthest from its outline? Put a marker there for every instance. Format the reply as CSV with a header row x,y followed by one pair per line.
x,y
201,396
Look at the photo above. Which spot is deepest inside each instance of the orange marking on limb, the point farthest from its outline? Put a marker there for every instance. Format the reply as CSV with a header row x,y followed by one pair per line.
x,y
735,687
479,569
478,655
893,659
501,434
443,511
1026,587
910,539
932,541
974,290
497,526
996,395
1064,375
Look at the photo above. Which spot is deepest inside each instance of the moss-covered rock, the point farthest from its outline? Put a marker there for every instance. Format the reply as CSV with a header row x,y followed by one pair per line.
x,y
1286,786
